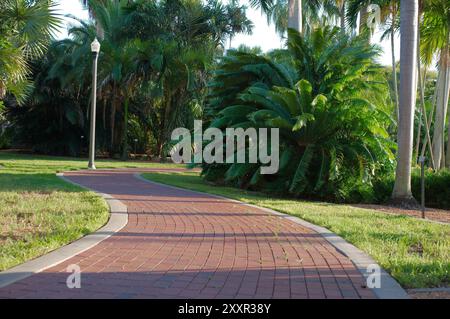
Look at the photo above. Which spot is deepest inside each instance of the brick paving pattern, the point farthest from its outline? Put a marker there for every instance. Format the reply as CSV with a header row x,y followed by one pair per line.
x,y
181,244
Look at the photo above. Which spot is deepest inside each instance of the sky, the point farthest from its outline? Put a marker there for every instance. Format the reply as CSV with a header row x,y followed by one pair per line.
x,y
264,35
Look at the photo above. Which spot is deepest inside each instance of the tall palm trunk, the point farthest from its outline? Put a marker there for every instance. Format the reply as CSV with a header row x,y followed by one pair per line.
x,y
125,130
104,114
394,68
423,115
407,98
423,112
295,18
113,118
100,31
342,15
165,135
442,88
98,27
363,29
427,142
447,158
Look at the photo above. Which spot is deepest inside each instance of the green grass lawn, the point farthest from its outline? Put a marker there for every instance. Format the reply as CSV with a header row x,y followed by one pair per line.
x,y
39,212
416,253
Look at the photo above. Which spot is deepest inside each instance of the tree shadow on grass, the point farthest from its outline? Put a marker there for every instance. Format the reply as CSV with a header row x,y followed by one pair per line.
x,y
35,182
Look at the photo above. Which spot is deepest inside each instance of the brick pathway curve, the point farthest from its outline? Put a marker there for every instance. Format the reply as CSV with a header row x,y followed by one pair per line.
x,y
181,244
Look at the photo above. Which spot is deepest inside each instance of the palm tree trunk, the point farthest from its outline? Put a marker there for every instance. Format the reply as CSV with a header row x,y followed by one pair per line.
x,y
447,158
113,118
342,16
165,135
407,98
430,117
363,29
98,27
423,111
113,126
100,31
441,107
425,119
104,114
418,135
125,131
295,15
394,68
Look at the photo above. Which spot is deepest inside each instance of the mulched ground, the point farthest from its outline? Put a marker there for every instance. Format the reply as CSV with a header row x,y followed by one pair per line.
x,y
429,295
439,215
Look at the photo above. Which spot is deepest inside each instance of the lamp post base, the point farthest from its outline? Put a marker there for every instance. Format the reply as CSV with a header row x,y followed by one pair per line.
x,y
91,166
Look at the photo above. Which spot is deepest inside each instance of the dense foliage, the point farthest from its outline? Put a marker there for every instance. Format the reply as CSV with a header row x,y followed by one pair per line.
x,y
154,63
322,94
26,28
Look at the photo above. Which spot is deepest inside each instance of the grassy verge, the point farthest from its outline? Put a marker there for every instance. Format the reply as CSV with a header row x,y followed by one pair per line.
x,y
39,212
415,252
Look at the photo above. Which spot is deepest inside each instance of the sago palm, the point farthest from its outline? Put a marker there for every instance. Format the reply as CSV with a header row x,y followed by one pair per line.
x,y
315,94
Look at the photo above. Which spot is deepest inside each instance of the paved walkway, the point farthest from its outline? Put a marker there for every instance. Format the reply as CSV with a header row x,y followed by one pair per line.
x,y
181,244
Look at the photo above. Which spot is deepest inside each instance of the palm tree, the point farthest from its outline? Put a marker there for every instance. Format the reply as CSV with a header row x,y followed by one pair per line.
x,y
115,58
124,63
238,20
436,39
26,28
295,14
52,119
409,11
166,46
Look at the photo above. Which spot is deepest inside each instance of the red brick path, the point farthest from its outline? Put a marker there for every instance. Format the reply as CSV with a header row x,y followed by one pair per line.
x,y
180,244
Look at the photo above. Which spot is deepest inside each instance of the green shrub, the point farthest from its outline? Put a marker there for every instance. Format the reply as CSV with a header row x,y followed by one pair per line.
x,y
5,138
437,188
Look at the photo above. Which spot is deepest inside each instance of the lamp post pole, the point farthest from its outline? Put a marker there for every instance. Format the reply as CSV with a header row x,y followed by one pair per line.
x,y
95,49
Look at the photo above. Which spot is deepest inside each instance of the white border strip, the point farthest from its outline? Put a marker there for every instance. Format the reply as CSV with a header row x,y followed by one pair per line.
x,y
117,220
390,289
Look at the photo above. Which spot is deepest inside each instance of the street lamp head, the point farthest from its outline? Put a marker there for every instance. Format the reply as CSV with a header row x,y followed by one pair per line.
x,y
95,46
